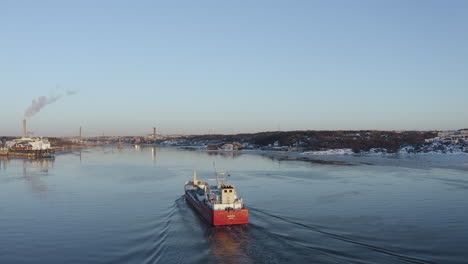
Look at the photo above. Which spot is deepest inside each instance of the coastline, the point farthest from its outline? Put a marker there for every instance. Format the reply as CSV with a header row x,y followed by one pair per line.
x,y
431,159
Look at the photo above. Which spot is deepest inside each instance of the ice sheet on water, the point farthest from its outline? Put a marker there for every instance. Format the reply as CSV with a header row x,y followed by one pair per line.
x,y
329,152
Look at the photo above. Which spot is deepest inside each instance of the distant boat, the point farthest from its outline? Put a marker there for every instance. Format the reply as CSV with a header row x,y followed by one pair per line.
x,y
218,205
32,147
3,151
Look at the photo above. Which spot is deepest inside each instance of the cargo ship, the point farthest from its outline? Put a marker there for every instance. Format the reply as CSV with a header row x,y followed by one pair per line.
x,y
30,147
219,204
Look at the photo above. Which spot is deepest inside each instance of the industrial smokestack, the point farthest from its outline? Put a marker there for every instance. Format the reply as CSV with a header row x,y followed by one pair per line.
x,y
25,130
154,132
81,131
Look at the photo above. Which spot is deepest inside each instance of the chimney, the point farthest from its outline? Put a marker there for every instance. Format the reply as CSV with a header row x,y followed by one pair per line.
x,y
154,132
81,132
25,130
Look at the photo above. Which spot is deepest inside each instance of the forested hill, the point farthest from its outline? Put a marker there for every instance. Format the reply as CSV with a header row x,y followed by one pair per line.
x,y
362,140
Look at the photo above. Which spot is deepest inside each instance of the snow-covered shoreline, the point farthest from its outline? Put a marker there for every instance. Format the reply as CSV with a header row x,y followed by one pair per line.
x,y
346,151
329,152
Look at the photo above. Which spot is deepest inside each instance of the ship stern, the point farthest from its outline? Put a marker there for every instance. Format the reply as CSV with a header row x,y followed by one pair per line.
x,y
231,217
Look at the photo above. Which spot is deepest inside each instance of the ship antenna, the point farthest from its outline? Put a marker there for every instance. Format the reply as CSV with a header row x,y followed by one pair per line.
x,y
216,173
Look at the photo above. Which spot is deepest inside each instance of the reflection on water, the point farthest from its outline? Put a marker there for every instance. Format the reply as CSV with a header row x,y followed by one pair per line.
x,y
143,148
227,243
3,162
227,154
153,154
31,170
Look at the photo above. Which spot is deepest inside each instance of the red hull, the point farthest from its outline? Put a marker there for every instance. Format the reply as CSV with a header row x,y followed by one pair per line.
x,y
220,217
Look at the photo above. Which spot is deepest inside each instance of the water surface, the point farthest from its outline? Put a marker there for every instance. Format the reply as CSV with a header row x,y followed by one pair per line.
x,y
105,205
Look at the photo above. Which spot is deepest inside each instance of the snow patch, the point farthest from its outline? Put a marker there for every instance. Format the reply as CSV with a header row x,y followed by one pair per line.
x,y
329,152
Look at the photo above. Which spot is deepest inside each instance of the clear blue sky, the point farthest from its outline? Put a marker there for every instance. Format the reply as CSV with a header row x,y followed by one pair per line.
x,y
234,66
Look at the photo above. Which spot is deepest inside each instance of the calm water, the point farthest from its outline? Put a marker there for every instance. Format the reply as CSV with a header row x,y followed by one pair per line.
x,y
108,206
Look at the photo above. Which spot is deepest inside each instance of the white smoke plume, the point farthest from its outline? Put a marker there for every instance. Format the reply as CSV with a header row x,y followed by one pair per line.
x,y
71,92
41,101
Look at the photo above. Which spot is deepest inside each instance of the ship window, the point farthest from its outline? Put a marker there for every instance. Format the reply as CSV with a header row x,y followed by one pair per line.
x,y
225,190
230,190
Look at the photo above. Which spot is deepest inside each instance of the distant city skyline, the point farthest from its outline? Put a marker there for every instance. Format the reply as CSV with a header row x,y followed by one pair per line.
x,y
122,68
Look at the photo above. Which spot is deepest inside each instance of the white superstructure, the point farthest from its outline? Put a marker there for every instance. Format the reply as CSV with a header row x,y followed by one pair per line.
x,y
222,196
29,143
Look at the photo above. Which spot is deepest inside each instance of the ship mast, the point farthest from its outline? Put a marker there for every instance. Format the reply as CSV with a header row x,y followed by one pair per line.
x,y
195,177
219,180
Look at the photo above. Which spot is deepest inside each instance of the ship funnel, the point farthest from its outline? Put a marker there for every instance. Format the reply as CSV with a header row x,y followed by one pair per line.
x,y
25,130
195,177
